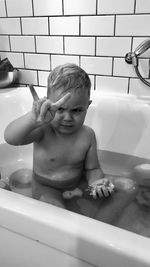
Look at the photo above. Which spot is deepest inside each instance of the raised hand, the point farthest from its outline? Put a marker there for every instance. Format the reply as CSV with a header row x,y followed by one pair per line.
x,y
44,110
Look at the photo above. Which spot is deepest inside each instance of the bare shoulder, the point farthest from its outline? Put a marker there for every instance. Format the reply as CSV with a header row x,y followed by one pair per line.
x,y
89,132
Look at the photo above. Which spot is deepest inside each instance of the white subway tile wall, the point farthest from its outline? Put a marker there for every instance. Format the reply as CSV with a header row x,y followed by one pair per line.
x,y
35,26
142,6
62,59
138,88
80,45
10,26
112,84
2,9
43,75
28,76
47,7
79,7
38,35
97,65
16,59
113,46
49,44
37,61
4,43
135,25
115,6
22,43
64,25
17,9
97,25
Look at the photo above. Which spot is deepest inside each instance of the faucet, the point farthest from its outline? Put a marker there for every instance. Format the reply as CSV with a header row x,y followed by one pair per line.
x,y
132,58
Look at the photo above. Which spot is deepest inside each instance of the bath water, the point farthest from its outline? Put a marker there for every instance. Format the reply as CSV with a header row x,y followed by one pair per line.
x,y
136,215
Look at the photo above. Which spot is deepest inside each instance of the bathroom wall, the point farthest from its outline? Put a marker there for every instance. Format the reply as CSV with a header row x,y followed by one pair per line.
x,y
37,35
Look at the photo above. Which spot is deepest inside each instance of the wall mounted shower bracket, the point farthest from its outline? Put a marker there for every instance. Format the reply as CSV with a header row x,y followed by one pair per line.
x,y
132,58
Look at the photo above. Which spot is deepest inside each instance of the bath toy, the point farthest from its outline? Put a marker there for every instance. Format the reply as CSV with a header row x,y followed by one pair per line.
x,y
102,189
143,197
20,181
72,193
141,174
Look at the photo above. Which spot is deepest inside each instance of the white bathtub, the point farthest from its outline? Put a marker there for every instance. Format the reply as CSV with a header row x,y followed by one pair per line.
x,y
33,233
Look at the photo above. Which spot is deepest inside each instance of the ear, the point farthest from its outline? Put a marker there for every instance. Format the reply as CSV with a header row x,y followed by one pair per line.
x,y
90,101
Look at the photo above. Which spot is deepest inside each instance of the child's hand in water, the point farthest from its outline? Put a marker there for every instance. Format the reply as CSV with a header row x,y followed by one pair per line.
x,y
43,110
102,188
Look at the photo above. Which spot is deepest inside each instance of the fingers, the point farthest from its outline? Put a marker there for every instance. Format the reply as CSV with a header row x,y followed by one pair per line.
x,y
46,107
45,110
51,108
37,104
55,105
61,101
33,92
101,189
101,192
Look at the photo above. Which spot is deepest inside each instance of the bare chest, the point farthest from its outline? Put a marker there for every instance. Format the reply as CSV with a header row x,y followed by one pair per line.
x,y
61,152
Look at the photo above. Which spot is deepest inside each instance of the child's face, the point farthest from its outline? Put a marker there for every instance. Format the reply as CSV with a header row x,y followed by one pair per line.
x,y
69,118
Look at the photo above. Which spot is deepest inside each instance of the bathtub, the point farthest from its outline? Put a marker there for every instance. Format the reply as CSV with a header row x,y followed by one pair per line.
x,y
34,233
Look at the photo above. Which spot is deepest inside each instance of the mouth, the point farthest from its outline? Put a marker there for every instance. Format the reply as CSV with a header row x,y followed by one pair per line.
x,y
66,125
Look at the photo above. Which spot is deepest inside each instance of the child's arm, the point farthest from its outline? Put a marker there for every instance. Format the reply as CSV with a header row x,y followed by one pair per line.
x,y
28,128
22,131
98,185
93,170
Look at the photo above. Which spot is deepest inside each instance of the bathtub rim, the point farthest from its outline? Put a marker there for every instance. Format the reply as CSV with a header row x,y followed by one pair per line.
x,y
76,235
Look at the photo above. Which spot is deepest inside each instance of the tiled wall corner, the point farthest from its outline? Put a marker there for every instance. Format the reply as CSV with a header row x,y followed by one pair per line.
x,y
38,35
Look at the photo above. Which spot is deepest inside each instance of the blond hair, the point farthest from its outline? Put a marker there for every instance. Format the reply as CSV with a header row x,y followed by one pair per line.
x,y
68,76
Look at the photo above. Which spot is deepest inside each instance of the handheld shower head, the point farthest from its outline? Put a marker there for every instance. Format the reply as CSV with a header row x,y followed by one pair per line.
x,y
144,46
132,58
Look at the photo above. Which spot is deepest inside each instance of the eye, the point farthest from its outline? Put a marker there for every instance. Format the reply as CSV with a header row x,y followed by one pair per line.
x,y
60,110
77,110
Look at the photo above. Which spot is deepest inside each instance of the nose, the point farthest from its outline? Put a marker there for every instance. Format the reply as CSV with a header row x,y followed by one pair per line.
x,y
67,116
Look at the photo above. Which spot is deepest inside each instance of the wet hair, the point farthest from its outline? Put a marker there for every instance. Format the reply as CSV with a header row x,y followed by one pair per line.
x,y
68,77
